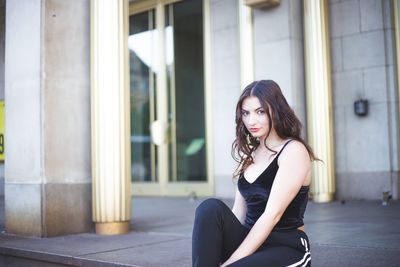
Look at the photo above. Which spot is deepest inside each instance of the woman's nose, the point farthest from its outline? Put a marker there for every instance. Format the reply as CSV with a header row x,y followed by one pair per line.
x,y
251,119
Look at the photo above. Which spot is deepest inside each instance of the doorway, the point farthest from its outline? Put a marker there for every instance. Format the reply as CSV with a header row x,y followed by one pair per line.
x,y
168,91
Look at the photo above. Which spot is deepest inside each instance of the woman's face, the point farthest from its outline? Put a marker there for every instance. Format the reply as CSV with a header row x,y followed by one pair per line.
x,y
255,117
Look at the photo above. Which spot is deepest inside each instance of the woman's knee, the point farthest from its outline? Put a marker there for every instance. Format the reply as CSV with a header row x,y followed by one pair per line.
x,y
209,207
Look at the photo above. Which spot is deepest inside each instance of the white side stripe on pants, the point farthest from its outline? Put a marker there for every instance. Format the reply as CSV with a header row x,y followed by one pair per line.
x,y
304,243
306,258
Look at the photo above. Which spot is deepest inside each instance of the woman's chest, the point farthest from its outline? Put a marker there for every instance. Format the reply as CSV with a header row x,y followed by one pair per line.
x,y
259,167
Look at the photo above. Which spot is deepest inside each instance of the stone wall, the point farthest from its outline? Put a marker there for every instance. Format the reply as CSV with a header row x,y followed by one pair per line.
x,y
363,67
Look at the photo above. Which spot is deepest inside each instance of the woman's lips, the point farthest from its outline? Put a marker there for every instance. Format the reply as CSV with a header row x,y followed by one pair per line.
x,y
253,130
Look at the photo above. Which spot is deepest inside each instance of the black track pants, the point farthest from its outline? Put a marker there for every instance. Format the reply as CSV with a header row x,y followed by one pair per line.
x,y
217,233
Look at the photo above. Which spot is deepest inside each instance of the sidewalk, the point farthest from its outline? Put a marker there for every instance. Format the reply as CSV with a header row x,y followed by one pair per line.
x,y
356,233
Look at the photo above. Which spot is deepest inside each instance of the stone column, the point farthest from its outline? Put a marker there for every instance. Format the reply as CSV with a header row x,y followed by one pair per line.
x,y
319,97
110,116
47,118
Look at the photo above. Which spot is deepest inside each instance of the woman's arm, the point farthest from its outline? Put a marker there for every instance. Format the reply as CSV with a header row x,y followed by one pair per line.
x,y
294,170
239,207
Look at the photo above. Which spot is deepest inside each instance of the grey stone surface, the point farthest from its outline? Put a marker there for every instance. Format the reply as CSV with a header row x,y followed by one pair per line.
x,y
367,140
372,185
67,208
353,256
1,179
23,206
272,62
390,48
66,92
2,45
296,19
225,64
225,95
225,185
296,91
356,233
336,54
387,6
63,249
391,83
1,187
177,215
371,15
272,24
344,18
226,43
227,14
394,135
340,143
2,214
395,180
394,113
223,162
10,261
375,87
280,22
22,91
362,224
363,50
139,256
347,87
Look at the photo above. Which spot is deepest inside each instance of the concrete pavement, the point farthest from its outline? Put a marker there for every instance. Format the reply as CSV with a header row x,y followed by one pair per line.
x,y
357,233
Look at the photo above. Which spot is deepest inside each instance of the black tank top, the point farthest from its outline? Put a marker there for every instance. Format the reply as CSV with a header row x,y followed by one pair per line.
x,y
257,193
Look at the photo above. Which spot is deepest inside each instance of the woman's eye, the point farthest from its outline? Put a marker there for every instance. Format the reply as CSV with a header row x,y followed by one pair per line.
x,y
244,113
260,112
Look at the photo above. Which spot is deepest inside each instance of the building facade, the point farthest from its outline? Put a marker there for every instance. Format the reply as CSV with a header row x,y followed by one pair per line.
x,y
188,62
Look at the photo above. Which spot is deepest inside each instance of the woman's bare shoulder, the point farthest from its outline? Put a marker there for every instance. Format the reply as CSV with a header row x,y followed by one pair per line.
x,y
295,150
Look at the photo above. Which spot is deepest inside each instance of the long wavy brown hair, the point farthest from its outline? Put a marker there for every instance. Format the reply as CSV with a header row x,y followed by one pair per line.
x,y
281,116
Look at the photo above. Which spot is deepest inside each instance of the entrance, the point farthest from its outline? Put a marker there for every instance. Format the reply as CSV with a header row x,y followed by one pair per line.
x,y
169,141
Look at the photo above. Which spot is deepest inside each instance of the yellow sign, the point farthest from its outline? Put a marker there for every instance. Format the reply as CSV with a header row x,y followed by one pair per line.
x,y
1,130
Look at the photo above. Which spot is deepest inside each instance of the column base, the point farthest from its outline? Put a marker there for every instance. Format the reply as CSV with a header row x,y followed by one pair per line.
x,y
323,197
112,228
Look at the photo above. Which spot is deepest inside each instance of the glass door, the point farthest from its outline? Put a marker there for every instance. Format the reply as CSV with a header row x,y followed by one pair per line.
x,y
168,99
142,43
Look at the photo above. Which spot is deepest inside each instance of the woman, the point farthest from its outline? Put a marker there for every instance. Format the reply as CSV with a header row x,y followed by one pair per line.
x,y
265,226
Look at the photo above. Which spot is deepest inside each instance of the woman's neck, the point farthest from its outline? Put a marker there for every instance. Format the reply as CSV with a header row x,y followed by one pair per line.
x,y
272,141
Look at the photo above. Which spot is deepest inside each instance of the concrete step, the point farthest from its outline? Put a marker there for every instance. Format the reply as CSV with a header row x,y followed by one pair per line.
x,y
133,249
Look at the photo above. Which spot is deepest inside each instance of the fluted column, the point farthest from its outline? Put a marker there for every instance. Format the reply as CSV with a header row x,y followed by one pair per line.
x,y
110,116
319,97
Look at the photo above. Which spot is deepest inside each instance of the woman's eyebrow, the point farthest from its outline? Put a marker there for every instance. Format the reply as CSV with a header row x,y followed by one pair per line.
x,y
255,109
